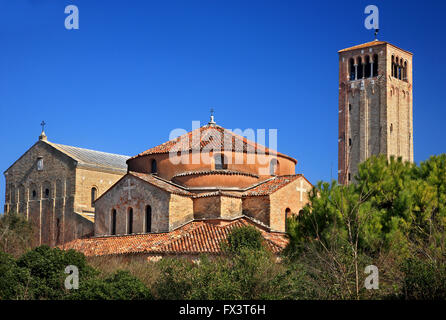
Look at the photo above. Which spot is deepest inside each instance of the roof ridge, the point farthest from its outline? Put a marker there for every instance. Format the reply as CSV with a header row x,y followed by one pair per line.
x,y
85,149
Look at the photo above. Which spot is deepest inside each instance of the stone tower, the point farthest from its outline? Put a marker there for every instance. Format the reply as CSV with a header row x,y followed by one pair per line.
x,y
375,105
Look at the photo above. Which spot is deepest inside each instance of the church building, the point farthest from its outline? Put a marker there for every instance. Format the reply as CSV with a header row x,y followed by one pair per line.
x,y
375,105
167,203
54,186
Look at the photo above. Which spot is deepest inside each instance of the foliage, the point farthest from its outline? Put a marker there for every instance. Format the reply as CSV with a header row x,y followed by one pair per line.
x,y
394,207
246,237
393,216
16,233
120,286
14,280
47,269
424,279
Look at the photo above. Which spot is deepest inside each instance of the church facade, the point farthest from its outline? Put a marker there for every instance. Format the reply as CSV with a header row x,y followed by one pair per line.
x,y
185,195
54,186
161,192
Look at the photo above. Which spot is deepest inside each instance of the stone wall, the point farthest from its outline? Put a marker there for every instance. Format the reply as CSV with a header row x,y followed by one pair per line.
x,y
181,210
142,194
46,196
375,114
86,179
285,198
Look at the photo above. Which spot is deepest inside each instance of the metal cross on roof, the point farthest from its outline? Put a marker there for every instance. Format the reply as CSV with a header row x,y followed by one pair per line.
x,y
212,116
43,125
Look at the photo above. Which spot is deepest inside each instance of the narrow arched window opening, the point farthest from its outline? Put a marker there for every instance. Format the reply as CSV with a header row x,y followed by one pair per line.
x,y
153,166
130,221
94,193
351,67
405,71
273,167
360,68
113,222
367,68
148,219
220,162
375,65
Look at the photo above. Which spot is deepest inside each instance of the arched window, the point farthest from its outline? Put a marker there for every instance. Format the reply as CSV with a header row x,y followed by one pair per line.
x,y
153,168
94,193
47,193
367,68
400,69
34,193
130,221
148,219
273,167
113,222
405,71
39,164
375,65
351,66
393,66
220,162
360,68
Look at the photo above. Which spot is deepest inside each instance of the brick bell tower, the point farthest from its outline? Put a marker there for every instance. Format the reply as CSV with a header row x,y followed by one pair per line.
x,y
375,105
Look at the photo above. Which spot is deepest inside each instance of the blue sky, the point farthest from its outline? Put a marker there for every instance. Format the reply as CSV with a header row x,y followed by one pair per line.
x,y
135,70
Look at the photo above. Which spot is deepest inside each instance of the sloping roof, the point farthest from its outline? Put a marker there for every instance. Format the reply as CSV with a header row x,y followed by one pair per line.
x,y
161,183
195,237
211,137
271,186
370,44
364,45
92,157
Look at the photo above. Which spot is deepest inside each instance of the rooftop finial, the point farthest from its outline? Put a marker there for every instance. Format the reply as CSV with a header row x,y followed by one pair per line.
x,y
43,135
212,117
376,34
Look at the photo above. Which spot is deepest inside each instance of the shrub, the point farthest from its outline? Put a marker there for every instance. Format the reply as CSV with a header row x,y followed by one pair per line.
x,y
120,286
423,280
246,237
47,268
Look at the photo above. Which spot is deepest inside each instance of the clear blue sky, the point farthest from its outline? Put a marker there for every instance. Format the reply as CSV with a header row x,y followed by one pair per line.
x,y
135,70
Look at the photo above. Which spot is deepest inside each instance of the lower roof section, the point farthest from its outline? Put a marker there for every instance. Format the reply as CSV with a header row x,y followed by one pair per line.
x,y
195,237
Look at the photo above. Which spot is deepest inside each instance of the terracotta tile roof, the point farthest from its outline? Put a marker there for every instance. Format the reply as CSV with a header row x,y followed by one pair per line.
x,y
209,137
161,183
271,186
364,45
195,237
370,44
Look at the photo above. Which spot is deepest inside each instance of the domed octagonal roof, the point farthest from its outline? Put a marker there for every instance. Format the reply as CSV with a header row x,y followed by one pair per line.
x,y
211,137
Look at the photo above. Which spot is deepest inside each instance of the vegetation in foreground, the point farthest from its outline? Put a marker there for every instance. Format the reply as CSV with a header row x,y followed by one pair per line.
x,y
393,217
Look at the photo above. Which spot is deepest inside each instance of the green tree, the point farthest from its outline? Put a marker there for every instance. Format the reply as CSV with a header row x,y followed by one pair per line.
x,y
47,268
119,286
16,233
